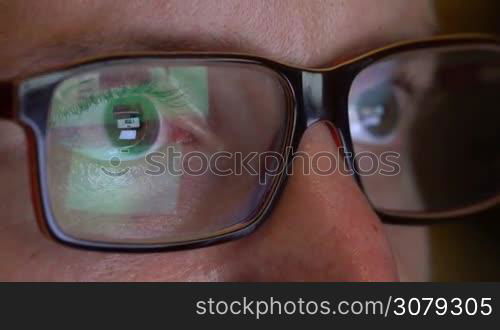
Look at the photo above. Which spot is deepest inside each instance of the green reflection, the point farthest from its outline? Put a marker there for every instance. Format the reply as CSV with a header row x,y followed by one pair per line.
x,y
95,123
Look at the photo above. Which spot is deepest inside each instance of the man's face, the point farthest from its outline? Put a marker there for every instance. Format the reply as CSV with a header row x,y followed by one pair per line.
x,y
322,229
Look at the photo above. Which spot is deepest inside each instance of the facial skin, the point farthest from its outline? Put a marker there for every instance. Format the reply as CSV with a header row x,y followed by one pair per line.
x,y
322,229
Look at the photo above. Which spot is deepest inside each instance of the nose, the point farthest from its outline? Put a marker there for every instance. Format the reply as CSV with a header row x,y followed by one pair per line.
x,y
322,229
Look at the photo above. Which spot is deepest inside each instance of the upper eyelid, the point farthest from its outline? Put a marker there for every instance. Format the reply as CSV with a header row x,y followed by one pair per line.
x,y
94,100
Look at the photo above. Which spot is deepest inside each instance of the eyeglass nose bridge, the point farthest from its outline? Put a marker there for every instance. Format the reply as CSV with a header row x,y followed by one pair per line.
x,y
325,95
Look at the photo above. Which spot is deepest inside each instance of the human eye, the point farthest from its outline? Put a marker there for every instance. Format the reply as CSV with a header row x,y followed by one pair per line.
x,y
126,115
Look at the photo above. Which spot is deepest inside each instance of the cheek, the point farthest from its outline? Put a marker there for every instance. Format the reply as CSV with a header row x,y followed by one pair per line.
x,y
20,240
15,194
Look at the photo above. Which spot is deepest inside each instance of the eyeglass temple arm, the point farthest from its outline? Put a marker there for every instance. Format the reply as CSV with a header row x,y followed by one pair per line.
x,y
6,100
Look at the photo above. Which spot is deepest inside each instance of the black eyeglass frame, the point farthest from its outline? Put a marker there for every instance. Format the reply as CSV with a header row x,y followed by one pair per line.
x,y
27,101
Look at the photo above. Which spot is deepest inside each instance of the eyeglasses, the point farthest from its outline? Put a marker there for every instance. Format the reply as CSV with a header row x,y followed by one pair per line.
x,y
163,151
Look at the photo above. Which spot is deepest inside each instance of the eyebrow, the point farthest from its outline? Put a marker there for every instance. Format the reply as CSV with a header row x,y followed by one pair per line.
x,y
70,51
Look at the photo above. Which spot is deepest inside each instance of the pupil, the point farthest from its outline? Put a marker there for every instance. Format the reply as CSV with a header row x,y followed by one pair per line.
x,y
378,111
132,124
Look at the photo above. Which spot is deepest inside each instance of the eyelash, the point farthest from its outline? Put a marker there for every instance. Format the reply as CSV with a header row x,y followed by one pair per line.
x,y
172,97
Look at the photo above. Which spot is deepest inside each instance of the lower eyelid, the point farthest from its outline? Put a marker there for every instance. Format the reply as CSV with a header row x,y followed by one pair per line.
x,y
177,134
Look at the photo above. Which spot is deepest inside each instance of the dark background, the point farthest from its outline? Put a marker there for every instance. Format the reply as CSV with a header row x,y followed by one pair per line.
x,y
467,251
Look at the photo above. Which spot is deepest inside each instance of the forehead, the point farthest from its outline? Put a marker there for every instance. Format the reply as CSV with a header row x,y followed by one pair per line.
x,y
38,33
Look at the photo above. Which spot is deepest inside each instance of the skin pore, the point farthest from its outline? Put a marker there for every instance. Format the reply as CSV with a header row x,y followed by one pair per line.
x,y
322,229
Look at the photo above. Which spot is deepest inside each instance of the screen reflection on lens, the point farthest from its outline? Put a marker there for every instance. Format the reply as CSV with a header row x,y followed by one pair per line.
x,y
105,122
